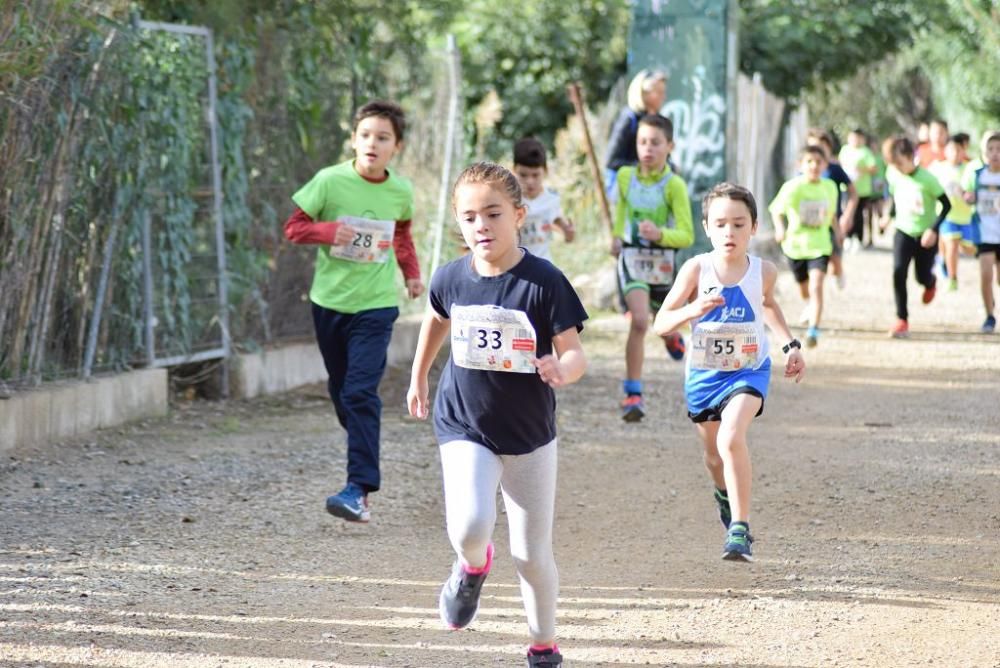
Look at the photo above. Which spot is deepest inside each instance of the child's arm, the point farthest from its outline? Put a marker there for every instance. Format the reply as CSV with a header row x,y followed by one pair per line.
x,y
678,308
682,235
433,331
846,221
621,210
568,230
795,365
929,238
568,363
406,257
300,228
778,219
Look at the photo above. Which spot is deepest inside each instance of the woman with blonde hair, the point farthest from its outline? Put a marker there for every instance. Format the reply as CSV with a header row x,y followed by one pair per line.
x,y
646,95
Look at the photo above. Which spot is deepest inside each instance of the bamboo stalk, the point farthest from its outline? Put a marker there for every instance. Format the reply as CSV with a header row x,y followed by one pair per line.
x,y
576,97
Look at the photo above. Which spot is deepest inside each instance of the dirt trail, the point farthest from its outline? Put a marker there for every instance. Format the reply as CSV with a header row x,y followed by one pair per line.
x,y
200,540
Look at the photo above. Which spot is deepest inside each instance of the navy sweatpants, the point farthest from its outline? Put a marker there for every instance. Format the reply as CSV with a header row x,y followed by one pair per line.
x,y
354,347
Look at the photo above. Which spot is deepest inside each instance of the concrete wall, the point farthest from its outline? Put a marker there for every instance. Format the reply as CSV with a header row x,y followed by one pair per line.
x,y
63,410
292,365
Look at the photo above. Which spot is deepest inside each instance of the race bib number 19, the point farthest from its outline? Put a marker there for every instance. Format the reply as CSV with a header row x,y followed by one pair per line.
x,y
654,266
492,338
371,243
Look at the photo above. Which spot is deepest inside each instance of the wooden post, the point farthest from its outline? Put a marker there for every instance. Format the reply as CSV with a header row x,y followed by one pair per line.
x,y
576,97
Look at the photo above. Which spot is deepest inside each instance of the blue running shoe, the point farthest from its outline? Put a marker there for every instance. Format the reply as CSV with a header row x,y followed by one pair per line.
x,y
725,513
675,346
350,503
459,600
633,408
548,658
989,325
738,542
812,337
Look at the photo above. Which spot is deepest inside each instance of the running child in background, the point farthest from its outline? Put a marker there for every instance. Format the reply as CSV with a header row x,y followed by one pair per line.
x,y
861,166
514,321
913,191
358,215
652,221
847,200
803,216
957,229
983,186
728,297
544,205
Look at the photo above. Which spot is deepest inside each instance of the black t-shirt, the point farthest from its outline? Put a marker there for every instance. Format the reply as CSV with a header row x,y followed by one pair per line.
x,y
510,413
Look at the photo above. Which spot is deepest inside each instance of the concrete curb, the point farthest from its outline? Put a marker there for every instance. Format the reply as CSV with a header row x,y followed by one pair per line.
x,y
70,409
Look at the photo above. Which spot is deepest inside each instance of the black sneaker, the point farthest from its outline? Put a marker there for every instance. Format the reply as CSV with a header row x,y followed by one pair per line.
x,y
350,503
459,600
725,512
549,658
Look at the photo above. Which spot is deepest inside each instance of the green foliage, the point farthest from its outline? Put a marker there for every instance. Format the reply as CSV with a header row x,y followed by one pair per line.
x,y
794,43
528,52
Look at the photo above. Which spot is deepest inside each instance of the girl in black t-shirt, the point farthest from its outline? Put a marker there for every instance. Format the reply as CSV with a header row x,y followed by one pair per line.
x,y
513,321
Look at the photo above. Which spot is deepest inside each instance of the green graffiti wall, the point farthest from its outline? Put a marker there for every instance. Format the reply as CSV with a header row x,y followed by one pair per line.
x,y
692,41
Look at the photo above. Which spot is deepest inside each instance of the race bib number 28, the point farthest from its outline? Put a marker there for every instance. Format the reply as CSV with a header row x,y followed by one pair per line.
x,y
492,338
371,243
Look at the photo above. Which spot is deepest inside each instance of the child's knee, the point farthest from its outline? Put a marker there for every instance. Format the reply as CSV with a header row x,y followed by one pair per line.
x,y
536,566
712,459
640,323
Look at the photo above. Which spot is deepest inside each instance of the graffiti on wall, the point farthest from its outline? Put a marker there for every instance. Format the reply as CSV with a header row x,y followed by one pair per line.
x,y
699,135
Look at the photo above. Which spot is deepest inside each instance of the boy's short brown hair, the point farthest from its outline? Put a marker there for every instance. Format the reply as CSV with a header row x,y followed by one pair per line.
x,y
390,111
665,125
899,147
812,149
529,152
732,191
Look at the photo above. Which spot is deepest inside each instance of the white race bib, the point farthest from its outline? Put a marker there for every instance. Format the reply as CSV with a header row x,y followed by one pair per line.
x,y
492,338
724,346
988,203
371,243
535,232
812,213
654,266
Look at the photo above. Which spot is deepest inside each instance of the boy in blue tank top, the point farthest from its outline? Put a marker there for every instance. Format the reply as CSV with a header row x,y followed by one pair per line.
x,y
728,297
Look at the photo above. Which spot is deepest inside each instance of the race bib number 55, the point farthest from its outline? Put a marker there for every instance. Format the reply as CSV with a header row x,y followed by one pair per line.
x,y
492,338
724,346
371,243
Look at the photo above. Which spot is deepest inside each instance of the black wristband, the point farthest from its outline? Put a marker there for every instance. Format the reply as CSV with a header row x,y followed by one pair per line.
x,y
794,343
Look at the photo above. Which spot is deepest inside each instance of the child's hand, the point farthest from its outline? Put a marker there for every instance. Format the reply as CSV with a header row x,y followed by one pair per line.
x,y
928,239
616,247
344,235
704,304
649,230
779,235
569,231
795,365
883,222
414,287
844,225
416,399
550,370
970,198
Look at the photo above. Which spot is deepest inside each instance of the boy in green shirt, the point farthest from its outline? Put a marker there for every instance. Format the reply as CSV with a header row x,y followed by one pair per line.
x,y
913,190
652,220
859,162
803,215
358,214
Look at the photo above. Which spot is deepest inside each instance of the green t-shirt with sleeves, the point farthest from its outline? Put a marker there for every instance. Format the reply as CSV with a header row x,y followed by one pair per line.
x,y
808,208
857,162
914,195
660,197
345,285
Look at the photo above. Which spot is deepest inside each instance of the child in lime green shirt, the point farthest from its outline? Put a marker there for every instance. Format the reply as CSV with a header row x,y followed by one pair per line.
x,y
803,215
358,214
957,229
652,221
913,190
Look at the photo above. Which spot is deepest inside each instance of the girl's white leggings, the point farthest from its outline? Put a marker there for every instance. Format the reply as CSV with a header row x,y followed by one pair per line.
x,y
472,473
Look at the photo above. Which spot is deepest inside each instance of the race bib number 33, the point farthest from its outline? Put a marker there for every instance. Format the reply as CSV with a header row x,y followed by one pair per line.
x,y
371,243
492,338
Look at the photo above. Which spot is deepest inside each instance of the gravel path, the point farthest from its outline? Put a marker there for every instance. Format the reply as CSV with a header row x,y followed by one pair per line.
x,y
200,540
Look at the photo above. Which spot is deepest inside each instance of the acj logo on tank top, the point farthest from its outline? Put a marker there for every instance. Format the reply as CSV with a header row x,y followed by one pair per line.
x,y
726,338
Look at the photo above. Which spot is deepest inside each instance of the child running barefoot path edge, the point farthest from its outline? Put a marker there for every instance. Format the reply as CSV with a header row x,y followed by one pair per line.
x,y
513,320
728,297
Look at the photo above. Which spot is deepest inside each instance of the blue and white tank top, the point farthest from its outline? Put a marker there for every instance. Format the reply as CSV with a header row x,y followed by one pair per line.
x,y
731,337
